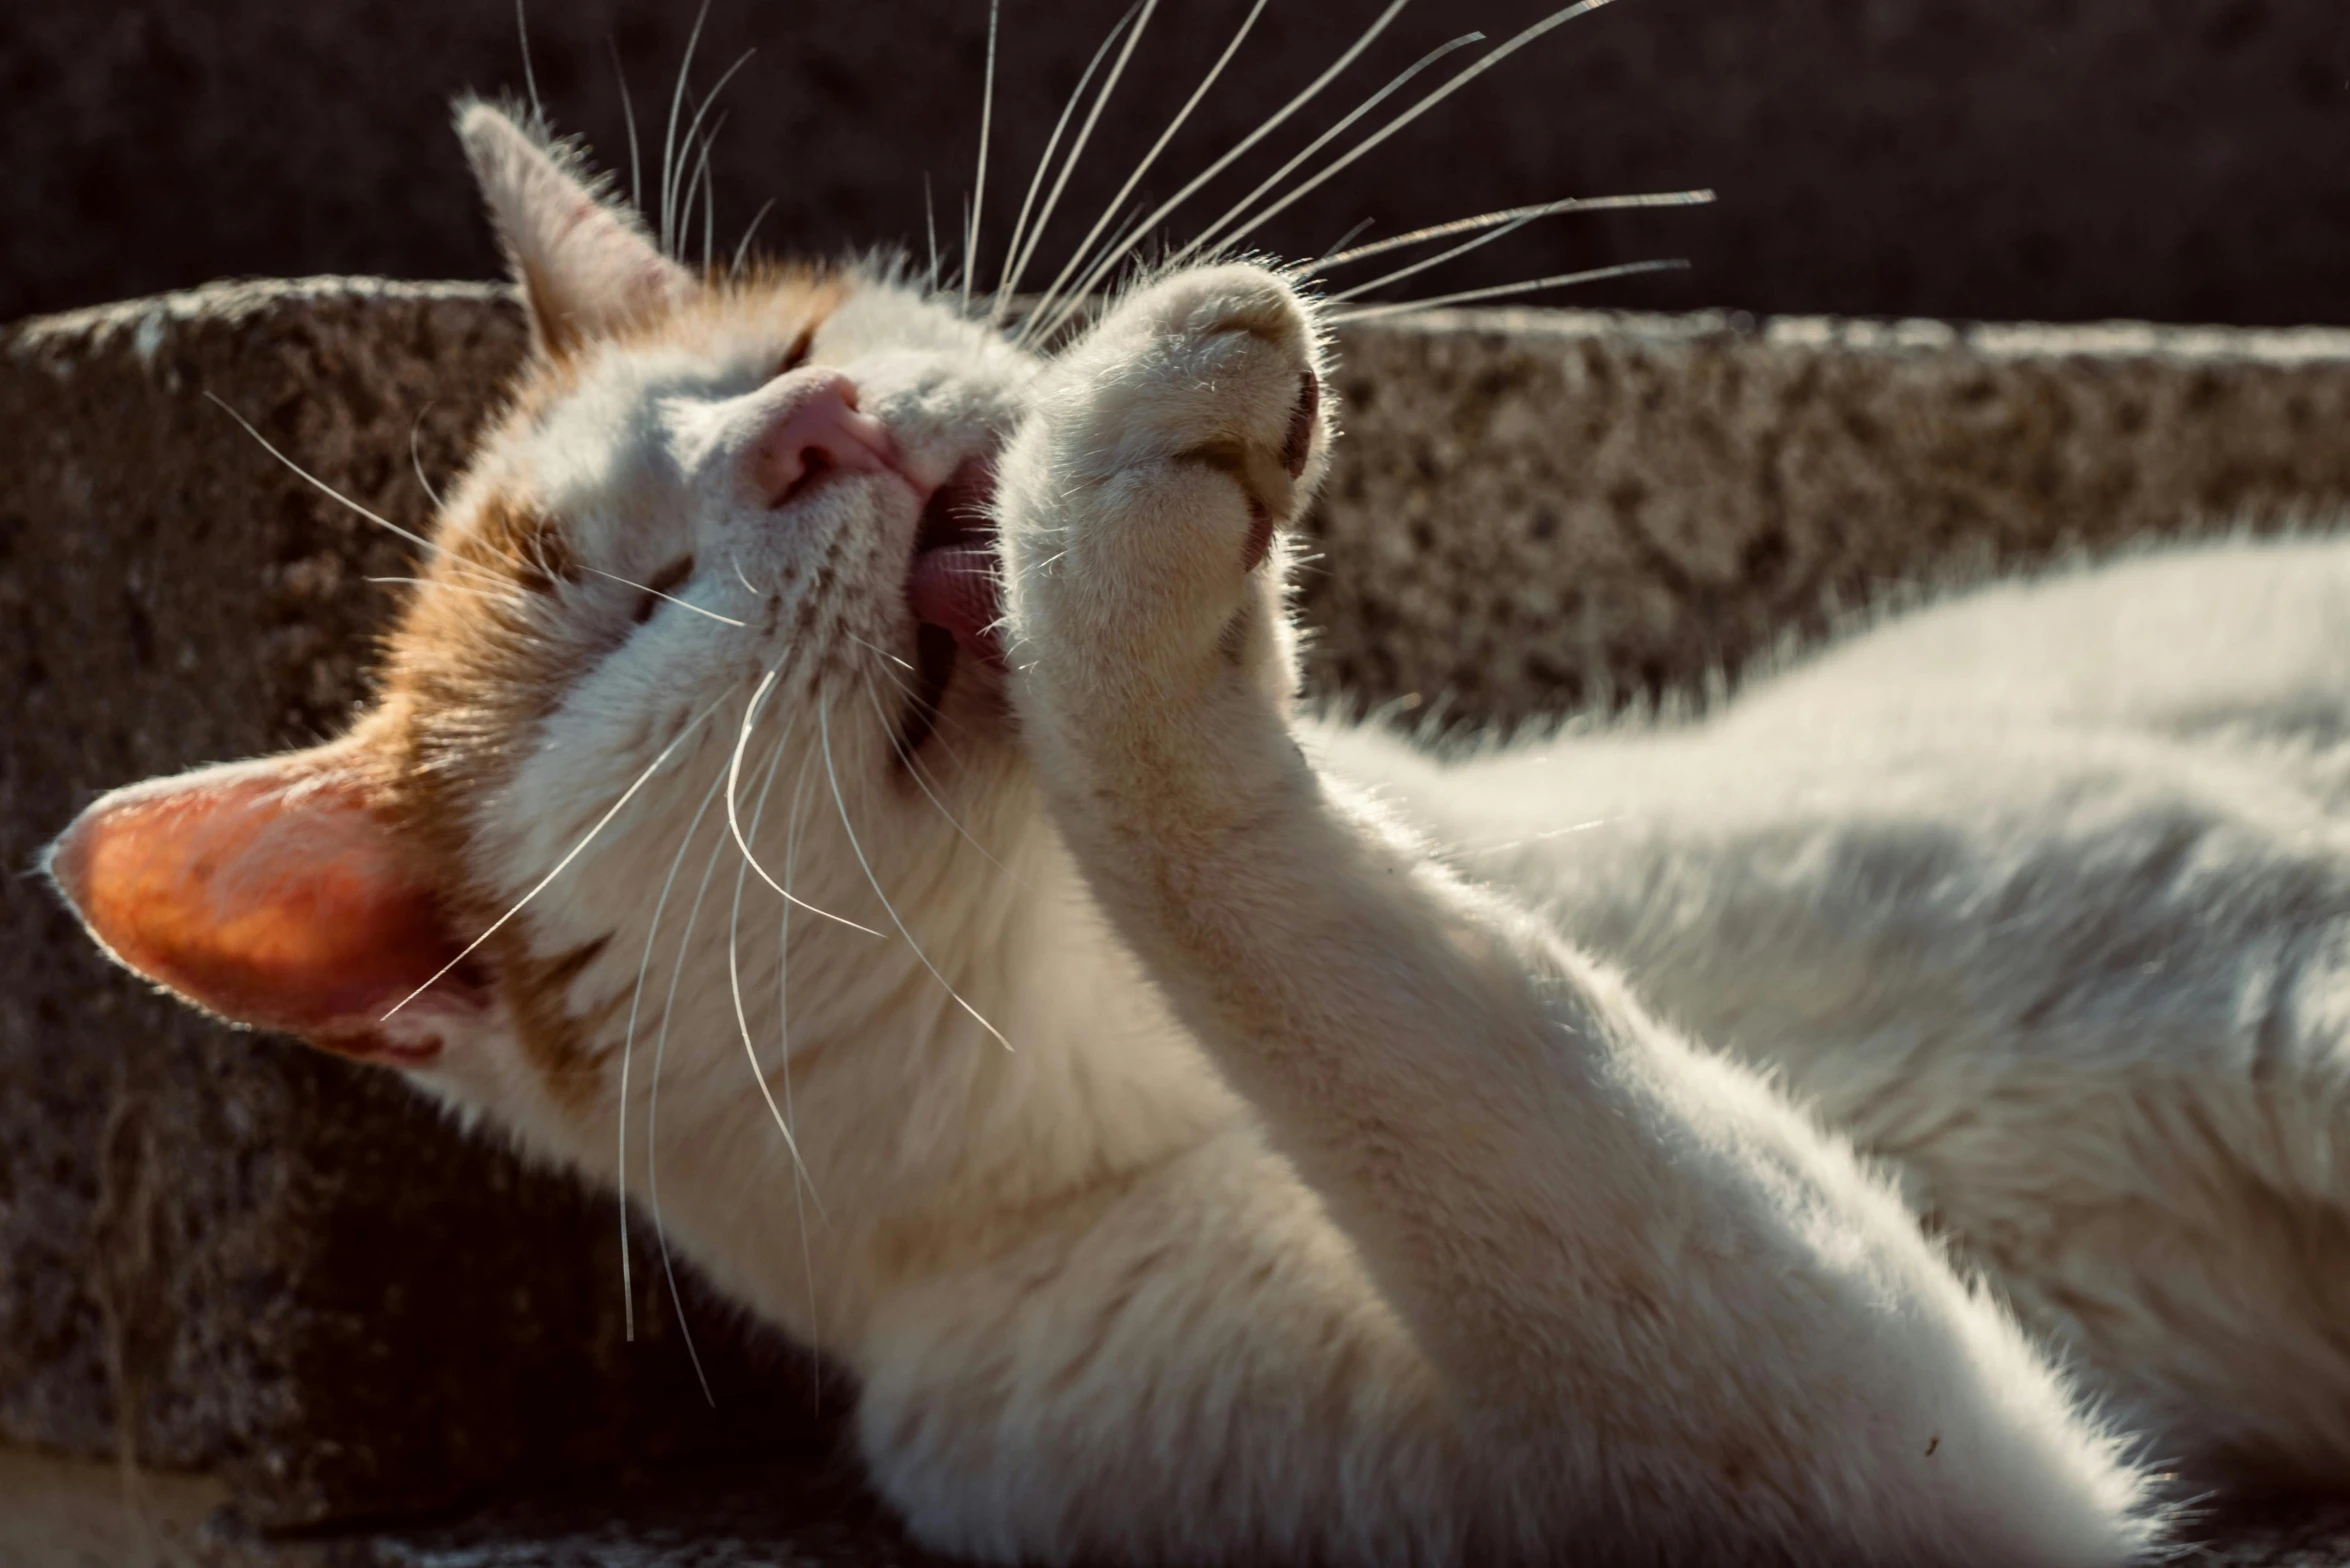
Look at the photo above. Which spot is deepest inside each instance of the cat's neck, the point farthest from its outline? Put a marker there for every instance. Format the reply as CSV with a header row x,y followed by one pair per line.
x,y
925,1136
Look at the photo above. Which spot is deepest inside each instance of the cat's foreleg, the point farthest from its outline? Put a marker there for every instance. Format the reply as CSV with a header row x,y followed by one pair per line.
x,y
1646,1279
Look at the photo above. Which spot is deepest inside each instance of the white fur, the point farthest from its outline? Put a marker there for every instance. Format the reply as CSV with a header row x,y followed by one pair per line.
x,y
1380,1171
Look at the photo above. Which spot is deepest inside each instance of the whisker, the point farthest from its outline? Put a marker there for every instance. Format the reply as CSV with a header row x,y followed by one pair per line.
x,y
602,822
1015,258
963,272
685,69
742,247
316,483
508,599
1460,79
914,772
710,196
1077,257
930,222
870,648
636,183
697,183
734,976
1557,281
824,721
733,775
416,457
1698,198
979,182
945,722
1133,236
1503,231
1323,260
683,604
530,81
791,848
653,1117
1536,838
628,1040
1232,219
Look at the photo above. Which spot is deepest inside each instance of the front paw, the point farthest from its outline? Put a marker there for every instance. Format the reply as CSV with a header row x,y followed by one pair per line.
x,y
1141,502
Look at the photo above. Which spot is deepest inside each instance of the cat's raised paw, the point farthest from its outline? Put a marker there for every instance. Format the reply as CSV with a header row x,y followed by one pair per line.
x,y
1183,433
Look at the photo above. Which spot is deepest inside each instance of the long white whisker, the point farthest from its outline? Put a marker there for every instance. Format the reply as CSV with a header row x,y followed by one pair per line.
x,y
562,865
493,597
1323,260
1426,262
742,247
683,604
416,457
1084,249
914,771
1133,235
697,182
979,182
1460,79
685,69
1093,116
1016,257
824,721
628,1040
791,849
930,222
1486,220
1536,838
636,181
1557,281
1232,219
653,1115
733,775
710,197
320,485
734,977
530,81
870,648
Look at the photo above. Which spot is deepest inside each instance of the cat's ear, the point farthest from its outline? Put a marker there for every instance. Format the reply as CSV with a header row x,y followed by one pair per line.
x,y
586,265
273,894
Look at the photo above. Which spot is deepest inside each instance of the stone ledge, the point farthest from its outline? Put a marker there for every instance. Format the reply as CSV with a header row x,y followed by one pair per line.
x,y
242,1260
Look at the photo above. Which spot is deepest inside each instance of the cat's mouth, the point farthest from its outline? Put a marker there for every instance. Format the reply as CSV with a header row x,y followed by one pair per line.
x,y
954,587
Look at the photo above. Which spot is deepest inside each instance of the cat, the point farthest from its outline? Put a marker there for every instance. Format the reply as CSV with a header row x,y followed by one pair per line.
x,y
841,783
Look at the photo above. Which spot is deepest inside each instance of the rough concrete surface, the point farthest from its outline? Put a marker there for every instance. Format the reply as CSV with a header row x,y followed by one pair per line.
x,y
1534,509
2181,160
231,1257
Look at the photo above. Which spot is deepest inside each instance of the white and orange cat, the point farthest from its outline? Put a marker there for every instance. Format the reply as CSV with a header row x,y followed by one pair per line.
x,y
1901,1130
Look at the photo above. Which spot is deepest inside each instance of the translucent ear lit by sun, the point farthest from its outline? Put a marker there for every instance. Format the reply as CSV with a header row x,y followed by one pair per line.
x,y
271,894
586,265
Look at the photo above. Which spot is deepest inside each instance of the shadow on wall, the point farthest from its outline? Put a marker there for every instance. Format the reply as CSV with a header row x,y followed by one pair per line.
x,y
2183,160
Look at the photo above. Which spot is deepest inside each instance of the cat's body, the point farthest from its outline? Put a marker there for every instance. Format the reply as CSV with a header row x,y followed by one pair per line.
x,y
1209,1133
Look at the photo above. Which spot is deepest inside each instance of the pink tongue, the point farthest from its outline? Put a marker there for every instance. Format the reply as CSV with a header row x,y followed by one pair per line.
x,y
956,587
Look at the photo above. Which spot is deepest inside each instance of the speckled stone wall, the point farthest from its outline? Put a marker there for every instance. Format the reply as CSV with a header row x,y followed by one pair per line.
x,y
1535,509
236,1256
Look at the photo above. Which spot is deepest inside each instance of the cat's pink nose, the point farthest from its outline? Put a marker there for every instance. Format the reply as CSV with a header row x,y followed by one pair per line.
x,y
813,428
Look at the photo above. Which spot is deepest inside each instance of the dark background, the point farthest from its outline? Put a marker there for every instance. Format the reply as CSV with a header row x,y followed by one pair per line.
x,y
2065,159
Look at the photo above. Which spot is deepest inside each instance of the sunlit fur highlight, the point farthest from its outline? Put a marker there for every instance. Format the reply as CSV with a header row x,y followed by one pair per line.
x,y
1252,1138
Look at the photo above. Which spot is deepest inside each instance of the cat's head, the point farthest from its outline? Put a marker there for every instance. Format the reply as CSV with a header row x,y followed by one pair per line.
x,y
719,578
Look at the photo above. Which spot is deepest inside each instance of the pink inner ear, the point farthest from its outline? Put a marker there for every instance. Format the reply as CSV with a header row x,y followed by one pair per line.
x,y
268,893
